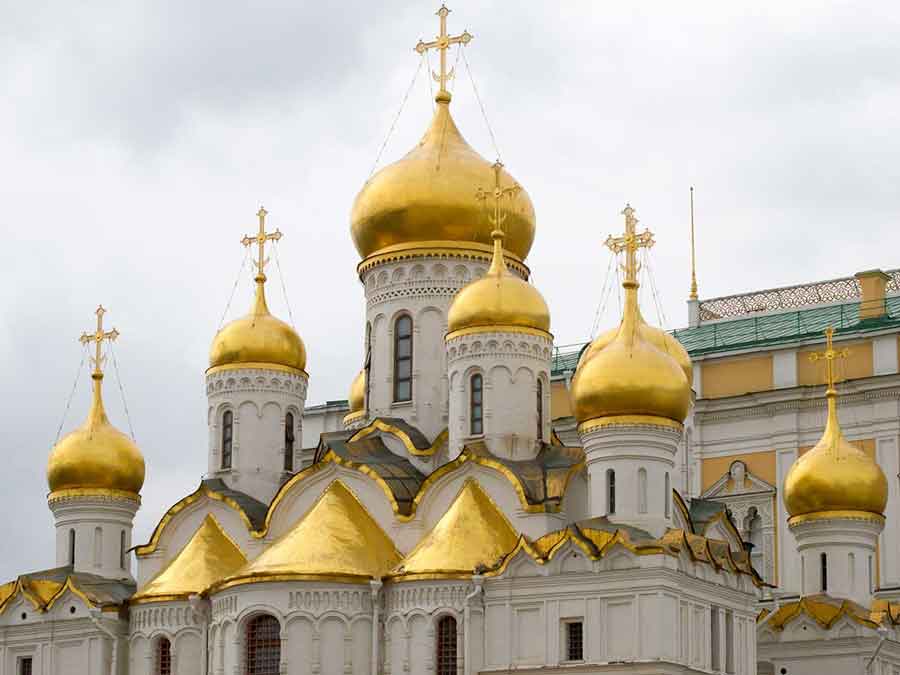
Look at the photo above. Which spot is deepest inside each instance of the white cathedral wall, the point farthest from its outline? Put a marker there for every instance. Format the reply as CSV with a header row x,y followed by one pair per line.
x,y
259,399
510,364
422,287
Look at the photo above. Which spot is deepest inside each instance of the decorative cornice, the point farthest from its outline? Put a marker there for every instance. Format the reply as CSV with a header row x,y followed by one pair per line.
x,y
97,494
253,365
629,421
438,249
499,329
865,516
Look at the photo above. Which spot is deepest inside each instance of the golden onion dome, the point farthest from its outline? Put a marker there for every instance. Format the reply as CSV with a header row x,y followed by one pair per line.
x,y
356,399
835,475
498,301
95,458
637,375
426,199
258,340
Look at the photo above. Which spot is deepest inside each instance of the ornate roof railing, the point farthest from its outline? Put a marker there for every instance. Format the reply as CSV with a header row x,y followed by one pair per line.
x,y
789,297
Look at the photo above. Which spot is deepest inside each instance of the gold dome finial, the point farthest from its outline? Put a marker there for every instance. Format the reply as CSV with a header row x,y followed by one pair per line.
x,y
634,373
96,457
693,294
258,339
442,44
835,475
498,299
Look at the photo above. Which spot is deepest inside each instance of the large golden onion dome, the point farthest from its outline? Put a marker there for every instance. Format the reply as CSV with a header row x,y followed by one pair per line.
x,y
426,200
498,301
95,458
835,475
637,375
258,340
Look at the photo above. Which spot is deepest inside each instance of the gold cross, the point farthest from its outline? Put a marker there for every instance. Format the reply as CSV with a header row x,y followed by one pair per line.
x,y
830,354
442,43
630,242
260,239
97,337
498,194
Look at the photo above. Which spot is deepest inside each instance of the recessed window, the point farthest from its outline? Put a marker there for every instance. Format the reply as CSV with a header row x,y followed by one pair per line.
x,y
642,490
403,351
610,491
476,405
72,547
446,646
163,657
263,646
574,641
714,637
667,495
227,436
123,553
540,410
25,666
289,442
823,562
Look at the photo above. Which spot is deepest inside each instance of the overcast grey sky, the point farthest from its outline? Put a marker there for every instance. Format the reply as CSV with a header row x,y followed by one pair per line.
x,y
138,139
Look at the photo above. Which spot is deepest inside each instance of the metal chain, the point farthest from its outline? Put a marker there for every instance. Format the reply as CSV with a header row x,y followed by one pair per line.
x,y
481,105
71,394
604,297
233,289
112,353
397,117
660,310
452,86
283,287
429,78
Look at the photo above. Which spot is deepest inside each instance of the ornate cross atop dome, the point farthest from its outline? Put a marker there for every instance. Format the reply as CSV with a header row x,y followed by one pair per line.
x,y
442,43
260,239
630,242
98,337
498,193
830,355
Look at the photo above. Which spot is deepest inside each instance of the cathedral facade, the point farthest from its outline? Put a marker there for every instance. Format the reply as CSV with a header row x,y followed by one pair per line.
x,y
648,503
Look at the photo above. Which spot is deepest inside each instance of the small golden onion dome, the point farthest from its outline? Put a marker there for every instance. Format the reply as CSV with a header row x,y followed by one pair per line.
x,y
655,336
96,457
426,199
498,301
835,475
357,397
258,339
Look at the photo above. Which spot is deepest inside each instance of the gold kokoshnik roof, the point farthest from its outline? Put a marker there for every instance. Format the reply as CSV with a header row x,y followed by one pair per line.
x,y
258,340
498,301
209,555
96,457
427,199
335,540
472,534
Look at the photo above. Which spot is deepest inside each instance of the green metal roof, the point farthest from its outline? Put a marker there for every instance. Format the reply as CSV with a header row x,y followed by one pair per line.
x,y
765,330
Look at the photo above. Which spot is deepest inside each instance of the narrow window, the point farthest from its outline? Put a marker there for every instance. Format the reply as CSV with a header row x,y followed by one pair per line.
x,y
540,410
610,491
98,547
163,657
823,561
403,359
71,547
227,435
714,638
729,641
871,585
851,564
574,641
476,405
263,646
642,490
667,496
289,442
446,646
25,666
122,553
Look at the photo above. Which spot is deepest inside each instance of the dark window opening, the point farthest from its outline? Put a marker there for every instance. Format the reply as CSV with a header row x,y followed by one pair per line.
x,y
540,410
25,665
227,435
610,491
403,359
289,442
574,641
123,554
163,657
476,405
823,558
263,646
446,646
71,547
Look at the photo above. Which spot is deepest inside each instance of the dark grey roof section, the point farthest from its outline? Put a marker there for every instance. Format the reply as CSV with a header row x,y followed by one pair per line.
x,y
253,509
403,479
704,510
603,523
417,437
544,477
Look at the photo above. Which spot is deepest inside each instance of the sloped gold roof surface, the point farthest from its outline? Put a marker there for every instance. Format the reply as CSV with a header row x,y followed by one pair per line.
x,y
473,533
335,540
209,555
824,609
